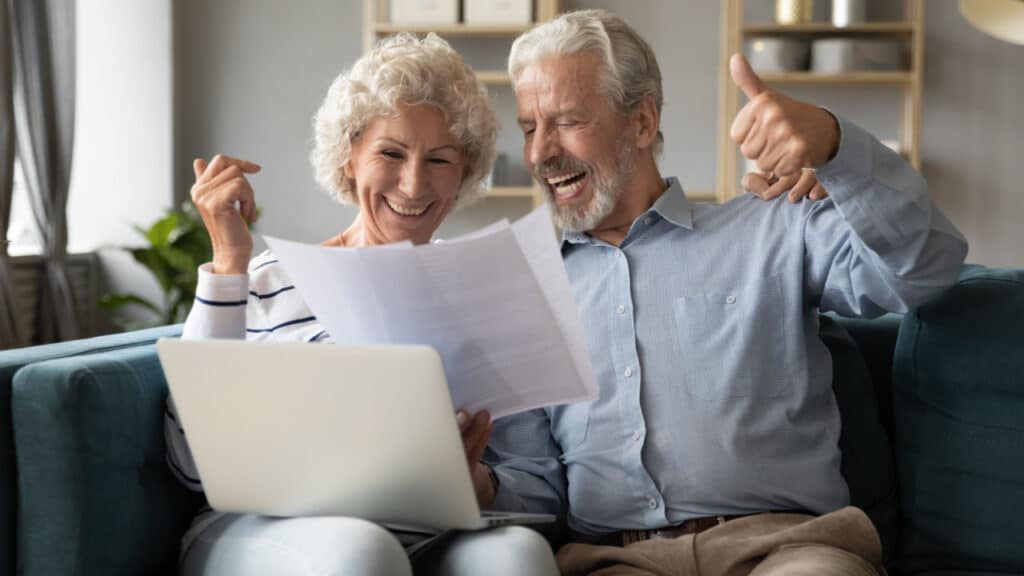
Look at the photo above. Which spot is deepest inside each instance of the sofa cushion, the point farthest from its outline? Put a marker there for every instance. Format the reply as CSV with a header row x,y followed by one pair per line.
x,y
959,412
867,464
10,362
95,490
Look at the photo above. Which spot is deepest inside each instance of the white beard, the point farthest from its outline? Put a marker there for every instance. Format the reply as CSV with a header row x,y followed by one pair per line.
x,y
604,197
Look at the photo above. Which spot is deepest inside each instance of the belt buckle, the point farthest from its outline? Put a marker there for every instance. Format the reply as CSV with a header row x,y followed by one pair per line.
x,y
634,536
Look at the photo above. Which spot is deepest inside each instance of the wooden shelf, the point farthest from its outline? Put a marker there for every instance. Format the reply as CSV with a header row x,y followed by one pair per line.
x,y
826,29
454,30
493,77
512,192
873,78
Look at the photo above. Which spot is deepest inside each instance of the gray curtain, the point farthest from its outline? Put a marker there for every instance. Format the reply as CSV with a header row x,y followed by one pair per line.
x,y
44,111
9,336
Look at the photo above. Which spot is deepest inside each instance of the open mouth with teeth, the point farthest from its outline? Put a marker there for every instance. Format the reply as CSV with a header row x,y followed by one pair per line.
x,y
567,186
407,211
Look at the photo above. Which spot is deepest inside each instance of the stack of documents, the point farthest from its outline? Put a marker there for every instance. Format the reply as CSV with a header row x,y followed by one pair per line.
x,y
495,303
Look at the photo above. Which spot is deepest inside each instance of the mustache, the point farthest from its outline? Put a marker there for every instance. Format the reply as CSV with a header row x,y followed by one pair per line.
x,y
559,165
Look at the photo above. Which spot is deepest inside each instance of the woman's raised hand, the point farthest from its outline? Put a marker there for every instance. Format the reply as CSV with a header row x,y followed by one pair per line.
x,y
227,205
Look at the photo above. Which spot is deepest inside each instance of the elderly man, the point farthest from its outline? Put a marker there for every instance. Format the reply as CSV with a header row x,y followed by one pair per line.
x,y
713,446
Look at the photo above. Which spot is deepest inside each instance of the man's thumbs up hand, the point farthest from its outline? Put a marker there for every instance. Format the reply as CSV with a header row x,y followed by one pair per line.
x,y
745,77
782,134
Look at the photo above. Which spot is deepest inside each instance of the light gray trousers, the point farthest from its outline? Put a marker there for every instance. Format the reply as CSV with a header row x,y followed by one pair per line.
x,y
227,544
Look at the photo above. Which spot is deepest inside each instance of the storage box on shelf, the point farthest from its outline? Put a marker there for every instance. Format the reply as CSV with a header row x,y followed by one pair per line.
x,y
497,12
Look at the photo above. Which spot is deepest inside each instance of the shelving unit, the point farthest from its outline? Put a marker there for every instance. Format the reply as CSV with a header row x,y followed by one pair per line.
x,y
735,31
376,24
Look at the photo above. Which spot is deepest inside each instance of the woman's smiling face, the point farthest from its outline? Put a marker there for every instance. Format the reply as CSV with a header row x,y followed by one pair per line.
x,y
407,171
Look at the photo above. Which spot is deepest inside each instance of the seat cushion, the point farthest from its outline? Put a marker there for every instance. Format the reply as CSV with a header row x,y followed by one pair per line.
x,y
94,487
959,413
10,362
867,464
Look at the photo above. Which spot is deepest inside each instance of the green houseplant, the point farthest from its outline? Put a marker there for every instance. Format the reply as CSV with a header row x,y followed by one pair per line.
x,y
177,244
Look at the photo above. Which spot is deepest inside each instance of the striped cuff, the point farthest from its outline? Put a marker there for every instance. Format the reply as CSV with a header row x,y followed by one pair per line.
x,y
221,289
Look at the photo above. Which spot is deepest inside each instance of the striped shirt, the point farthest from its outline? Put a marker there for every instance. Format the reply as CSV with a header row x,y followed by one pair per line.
x,y
261,305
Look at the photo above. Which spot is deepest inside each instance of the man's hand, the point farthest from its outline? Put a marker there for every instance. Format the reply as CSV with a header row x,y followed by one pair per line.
x,y
800,185
782,134
476,431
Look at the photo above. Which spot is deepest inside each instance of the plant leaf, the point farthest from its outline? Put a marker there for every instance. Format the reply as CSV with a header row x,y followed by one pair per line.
x,y
152,259
159,234
116,301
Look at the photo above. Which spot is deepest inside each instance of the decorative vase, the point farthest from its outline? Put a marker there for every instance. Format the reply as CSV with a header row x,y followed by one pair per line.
x,y
794,11
846,12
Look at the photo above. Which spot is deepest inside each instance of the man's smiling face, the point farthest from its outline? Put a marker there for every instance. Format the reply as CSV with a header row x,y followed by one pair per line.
x,y
576,143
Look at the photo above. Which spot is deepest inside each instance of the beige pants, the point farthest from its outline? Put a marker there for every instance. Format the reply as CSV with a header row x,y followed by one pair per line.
x,y
841,543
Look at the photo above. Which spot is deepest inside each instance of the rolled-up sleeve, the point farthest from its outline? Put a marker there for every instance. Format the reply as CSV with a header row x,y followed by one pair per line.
x,y
525,458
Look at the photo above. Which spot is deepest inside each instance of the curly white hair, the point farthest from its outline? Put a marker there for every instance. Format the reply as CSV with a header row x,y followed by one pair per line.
x,y
404,69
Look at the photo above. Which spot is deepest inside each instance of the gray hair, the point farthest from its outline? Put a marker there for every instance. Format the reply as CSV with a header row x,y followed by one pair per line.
x,y
404,70
629,73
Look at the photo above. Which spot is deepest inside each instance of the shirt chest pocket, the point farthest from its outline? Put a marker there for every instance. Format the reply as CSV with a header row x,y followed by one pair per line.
x,y
733,340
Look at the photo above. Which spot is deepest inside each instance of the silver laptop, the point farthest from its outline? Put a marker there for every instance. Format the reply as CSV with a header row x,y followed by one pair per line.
x,y
297,429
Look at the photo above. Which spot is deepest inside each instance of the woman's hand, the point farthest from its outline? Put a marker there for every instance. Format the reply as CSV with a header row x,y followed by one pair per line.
x,y
227,205
476,431
796,186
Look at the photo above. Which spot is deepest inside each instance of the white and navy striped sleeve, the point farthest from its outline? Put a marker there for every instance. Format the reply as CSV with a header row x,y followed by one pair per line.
x,y
219,311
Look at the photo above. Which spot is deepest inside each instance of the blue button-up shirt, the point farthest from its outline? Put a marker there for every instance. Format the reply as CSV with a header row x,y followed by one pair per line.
x,y
715,390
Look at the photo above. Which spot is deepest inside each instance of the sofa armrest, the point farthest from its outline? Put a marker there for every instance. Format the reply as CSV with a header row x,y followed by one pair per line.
x,y
94,488
10,362
958,401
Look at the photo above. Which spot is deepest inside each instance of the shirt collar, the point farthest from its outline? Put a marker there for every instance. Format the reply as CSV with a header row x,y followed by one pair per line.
x,y
672,205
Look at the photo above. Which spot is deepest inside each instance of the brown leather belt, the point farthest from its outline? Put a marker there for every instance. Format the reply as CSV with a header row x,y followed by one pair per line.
x,y
691,526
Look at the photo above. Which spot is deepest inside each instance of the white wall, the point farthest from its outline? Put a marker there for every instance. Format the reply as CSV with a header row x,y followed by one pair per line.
x,y
123,156
973,134
253,72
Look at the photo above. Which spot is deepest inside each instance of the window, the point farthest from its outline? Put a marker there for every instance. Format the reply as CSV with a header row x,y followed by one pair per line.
x,y
22,234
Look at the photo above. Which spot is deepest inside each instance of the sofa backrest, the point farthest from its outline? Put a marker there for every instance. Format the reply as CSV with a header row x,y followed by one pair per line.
x,y
867,459
959,411
11,361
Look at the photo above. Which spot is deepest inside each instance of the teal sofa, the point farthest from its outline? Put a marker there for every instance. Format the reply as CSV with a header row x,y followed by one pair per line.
x,y
932,440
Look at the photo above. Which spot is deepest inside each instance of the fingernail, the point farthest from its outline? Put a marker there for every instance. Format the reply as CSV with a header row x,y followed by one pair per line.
x,y
461,417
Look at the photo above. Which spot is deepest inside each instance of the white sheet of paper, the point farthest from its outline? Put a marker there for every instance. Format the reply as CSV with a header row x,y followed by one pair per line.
x,y
496,304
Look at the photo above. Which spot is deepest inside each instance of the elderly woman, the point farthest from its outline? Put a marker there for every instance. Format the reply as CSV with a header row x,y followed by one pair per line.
x,y
406,135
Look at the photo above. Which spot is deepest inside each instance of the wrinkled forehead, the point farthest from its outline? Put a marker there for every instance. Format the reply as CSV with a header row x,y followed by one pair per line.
x,y
558,83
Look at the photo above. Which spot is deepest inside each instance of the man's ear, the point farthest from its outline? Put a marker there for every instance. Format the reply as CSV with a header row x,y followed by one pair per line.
x,y
648,122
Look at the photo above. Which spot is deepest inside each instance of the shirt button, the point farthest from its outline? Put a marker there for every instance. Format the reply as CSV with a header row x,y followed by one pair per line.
x,y
648,220
621,309
730,299
628,371
636,436
652,503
